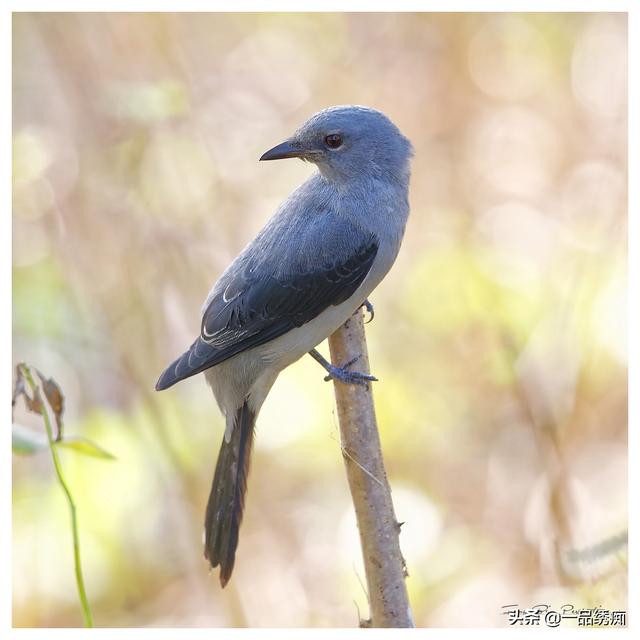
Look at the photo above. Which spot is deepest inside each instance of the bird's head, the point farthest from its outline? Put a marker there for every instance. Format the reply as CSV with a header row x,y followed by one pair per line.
x,y
347,142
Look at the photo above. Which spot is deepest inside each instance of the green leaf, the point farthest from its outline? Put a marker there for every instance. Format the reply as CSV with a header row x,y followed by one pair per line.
x,y
85,447
25,441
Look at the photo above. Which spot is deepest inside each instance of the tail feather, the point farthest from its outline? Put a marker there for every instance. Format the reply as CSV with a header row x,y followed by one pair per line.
x,y
226,500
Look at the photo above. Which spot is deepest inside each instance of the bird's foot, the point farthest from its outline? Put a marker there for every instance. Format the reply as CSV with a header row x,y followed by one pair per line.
x,y
348,377
369,307
342,373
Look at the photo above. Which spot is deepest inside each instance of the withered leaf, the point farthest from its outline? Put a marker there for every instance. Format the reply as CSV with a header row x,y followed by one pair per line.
x,y
19,388
55,398
34,402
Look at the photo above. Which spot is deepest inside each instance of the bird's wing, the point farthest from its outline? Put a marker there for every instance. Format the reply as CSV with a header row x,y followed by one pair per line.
x,y
255,307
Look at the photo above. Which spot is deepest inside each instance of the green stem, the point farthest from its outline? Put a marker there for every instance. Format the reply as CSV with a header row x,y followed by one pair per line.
x,y
84,603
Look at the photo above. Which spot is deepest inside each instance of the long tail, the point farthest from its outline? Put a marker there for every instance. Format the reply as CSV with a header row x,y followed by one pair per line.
x,y
226,500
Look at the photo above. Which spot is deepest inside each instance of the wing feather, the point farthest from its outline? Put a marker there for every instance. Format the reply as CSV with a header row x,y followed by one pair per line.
x,y
254,308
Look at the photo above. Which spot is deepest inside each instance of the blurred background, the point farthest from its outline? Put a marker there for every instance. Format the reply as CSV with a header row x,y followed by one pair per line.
x,y
499,337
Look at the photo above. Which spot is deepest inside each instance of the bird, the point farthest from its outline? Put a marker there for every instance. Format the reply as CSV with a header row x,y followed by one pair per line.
x,y
311,267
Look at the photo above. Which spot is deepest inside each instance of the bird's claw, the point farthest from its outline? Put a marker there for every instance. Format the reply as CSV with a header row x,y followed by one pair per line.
x,y
349,377
369,307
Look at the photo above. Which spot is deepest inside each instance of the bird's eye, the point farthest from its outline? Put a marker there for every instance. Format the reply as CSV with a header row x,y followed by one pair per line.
x,y
333,140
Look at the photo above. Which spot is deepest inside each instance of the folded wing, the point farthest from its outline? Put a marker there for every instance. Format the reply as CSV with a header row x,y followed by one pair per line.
x,y
254,306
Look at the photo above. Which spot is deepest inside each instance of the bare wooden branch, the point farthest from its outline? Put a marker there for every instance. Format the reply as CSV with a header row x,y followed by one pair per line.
x,y
384,565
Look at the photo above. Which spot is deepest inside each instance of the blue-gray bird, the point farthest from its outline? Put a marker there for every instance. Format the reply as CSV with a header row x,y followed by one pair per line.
x,y
307,271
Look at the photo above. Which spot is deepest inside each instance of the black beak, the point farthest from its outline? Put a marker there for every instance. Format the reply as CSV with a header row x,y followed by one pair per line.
x,y
284,150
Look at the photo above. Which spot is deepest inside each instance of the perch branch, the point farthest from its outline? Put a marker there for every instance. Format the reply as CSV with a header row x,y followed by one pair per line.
x,y
383,562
